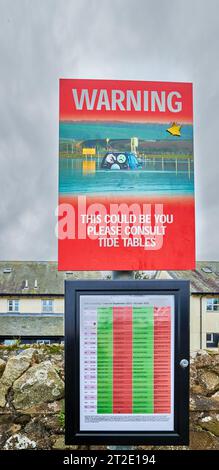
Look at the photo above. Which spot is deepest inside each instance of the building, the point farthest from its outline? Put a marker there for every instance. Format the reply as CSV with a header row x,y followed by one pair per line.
x,y
32,300
204,302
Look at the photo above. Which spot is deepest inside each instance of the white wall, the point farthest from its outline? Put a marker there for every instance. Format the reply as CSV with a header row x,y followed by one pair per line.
x,y
3,305
195,322
32,304
210,320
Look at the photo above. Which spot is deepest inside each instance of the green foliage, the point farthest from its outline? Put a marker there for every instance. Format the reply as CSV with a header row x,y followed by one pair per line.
x,y
62,417
54,348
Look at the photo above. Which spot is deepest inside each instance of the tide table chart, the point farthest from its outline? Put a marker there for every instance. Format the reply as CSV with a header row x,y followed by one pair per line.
x,y
126,362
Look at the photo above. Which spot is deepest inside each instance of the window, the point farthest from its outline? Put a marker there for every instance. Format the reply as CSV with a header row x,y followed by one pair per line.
x,y
10,342
7,270
47,306
13,305
43,341
207,269
212,340
212,305
210,337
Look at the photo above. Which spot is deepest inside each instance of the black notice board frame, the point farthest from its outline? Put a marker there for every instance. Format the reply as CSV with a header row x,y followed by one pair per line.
x,y
181,291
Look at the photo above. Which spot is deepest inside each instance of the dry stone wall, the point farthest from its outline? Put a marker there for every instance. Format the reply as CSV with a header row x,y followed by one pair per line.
x,y
32,399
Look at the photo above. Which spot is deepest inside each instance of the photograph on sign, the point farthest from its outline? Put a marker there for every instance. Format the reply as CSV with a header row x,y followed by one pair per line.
x,y
124,345
126,175
126,362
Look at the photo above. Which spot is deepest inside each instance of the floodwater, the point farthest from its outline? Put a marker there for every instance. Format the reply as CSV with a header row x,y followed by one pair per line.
x,y
156,177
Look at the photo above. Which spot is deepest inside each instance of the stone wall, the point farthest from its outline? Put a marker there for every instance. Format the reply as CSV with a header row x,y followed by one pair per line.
x,y
32,399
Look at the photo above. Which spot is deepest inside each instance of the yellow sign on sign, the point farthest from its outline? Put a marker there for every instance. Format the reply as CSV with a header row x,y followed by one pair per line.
x,y
88,166
174,129
89,151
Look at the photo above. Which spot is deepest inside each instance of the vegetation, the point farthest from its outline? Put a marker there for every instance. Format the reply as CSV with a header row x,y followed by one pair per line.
x,y
62,417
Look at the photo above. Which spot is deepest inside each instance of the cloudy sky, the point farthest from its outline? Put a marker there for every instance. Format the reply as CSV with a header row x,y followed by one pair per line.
x,y
43,40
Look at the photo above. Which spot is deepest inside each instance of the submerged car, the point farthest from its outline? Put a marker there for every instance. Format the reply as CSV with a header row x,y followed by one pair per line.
x,y
120,161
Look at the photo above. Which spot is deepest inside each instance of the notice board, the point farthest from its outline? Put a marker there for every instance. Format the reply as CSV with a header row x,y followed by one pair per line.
x,y
126,175
125,347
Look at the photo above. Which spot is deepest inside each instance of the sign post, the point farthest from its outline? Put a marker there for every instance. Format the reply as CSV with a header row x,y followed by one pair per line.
x,y
126,202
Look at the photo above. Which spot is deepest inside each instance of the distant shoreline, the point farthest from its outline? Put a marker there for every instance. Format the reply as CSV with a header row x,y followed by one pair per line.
x,y
175,148
131,123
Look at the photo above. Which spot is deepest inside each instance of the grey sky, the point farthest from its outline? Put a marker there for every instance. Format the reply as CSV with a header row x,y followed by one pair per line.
x,y
42,40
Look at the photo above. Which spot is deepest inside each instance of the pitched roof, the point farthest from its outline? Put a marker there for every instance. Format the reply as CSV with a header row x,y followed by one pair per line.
x,y
204,279
50,281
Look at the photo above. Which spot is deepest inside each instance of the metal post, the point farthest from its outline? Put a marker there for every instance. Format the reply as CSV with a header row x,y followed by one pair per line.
x,y
123,276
